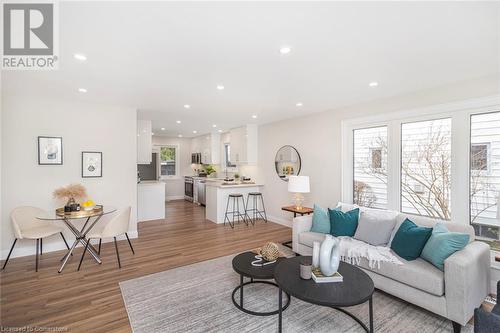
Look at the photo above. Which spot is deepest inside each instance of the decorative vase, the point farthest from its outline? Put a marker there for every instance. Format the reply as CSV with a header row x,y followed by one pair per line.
x,y
329,256
315,256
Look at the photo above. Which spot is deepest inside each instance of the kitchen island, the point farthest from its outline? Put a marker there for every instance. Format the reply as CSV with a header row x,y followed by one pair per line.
x,y
150,200
217,194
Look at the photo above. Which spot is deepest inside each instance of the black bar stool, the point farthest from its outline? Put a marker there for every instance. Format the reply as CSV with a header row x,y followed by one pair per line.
x,y
235,212
255,208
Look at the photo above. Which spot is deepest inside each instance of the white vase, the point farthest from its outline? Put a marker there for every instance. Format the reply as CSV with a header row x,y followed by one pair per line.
x,y
329,256
315,256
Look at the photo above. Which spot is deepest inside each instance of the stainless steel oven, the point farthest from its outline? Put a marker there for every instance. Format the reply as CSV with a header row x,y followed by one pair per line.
x,y
188,188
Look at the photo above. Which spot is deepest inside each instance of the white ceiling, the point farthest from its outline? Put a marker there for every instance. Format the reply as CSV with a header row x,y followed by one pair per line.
x,y
158,56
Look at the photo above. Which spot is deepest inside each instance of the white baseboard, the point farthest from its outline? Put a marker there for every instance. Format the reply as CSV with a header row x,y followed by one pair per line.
x,y
280,220
174,197
26,247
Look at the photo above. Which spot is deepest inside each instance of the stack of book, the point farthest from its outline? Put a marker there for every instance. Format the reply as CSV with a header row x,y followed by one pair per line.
x,y
320,278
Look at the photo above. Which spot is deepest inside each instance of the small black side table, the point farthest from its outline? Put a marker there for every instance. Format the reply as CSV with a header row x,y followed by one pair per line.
x,y
356,288
242,264
292,209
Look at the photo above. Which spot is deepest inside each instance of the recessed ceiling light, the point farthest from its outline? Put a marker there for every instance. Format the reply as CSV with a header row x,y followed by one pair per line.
x,y
373,84
299,104
187,106
82,90
180,135
285,50
163,128
79,56
214,126
152,133
220,87
254,116
178,121
194,132
220,131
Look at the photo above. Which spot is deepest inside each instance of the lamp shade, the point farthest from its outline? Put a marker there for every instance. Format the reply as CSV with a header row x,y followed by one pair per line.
x,y
298,184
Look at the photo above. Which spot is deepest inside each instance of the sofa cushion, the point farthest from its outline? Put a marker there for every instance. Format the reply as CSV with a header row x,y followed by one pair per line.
x,y
320,220
443,244
308,237
416,273
343,224
375,227
410,239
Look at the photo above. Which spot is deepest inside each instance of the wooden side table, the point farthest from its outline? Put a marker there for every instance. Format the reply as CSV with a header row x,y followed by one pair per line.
x,y
292,209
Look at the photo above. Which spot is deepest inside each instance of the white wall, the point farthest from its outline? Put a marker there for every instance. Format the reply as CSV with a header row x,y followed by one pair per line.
x,y
318,139
174,188
111,130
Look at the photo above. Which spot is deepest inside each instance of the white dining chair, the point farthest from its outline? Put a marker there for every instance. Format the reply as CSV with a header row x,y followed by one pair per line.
x,y
26,225
117,226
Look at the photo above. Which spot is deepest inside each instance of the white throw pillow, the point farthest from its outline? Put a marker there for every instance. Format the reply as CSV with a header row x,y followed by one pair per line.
x,y
375,227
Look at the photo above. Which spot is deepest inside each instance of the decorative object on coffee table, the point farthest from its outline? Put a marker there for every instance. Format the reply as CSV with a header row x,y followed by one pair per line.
x,y
242,264
357,288
329,256
306,268
315,256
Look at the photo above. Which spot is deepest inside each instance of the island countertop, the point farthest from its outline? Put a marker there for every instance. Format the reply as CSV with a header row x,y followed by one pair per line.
x,y
236,185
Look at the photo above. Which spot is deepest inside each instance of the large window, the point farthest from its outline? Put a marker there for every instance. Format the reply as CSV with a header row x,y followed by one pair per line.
x,y
485,176
370,167
426,168
168,161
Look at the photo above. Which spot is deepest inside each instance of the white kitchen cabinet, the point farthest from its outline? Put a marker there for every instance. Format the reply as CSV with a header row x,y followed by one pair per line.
x,y
244,144
209,147
144,141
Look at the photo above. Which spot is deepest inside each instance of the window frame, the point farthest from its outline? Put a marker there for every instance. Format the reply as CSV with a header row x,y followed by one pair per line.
x,y
459,112
177,159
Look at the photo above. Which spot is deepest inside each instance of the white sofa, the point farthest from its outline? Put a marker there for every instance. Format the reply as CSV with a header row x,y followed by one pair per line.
x,y
453,294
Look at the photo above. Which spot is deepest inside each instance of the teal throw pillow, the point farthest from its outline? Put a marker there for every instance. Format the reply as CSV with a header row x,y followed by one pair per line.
x,y
343,224
410,239
443,244
321,221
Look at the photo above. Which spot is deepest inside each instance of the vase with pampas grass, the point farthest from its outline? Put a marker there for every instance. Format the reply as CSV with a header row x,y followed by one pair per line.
x,y
70,193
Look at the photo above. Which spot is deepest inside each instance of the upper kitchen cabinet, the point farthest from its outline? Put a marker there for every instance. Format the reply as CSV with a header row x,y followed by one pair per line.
x,y
208,146
244,144
144,141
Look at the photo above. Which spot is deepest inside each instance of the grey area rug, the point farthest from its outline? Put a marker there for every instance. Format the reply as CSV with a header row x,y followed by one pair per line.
x,y
197,298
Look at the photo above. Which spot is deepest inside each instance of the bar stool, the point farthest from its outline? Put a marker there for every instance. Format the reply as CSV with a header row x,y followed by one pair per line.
x,y
235,213
255,208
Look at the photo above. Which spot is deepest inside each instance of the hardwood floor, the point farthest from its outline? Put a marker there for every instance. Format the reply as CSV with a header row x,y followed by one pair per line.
x,y
90,300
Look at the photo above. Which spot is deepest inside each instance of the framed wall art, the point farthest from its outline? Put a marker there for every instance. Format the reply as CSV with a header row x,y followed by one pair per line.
x,y
91,164
50,150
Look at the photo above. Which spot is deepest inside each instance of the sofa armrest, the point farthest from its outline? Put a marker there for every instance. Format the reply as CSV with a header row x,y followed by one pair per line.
x,y
467,280
299,225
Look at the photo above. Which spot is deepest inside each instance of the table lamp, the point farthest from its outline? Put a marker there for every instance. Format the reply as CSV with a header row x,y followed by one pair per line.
x,y
298,185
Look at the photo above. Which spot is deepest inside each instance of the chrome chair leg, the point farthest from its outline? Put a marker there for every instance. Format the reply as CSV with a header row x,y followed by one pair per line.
x,y
37,248
83,254
99,251
10,252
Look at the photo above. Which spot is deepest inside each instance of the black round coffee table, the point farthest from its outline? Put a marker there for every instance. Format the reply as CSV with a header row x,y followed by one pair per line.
x,y
242,264
356,288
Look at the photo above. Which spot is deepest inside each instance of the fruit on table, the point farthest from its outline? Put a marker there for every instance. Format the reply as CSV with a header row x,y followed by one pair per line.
x,y
88,203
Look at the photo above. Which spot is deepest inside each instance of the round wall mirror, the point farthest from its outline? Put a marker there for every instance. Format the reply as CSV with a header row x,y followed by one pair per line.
x,y
287,162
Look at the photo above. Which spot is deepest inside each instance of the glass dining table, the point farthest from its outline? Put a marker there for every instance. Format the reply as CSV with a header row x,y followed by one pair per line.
x,y
91,218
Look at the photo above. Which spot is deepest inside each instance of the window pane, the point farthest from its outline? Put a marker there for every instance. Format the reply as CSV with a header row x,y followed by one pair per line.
x,y
370,167
485,174
426,168
167,157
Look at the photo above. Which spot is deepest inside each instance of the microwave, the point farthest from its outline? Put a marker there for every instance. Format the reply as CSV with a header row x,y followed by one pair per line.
x,y
196,158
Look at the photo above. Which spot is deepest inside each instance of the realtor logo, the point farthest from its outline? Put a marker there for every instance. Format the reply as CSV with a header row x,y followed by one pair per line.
x,y
29,36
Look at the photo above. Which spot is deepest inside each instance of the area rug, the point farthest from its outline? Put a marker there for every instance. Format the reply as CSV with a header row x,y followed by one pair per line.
x,y
197,298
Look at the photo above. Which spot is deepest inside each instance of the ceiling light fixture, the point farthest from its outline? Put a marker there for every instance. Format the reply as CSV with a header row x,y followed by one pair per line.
x,y
163,128
299,104
220,131
214,126
220,87
180,135
373,84
254,116
187,106
79,56
178,121
285,50
152,133
82,90
194,132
